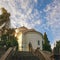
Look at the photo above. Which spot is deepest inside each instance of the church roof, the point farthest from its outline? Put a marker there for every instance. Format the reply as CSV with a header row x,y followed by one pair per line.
x,y
25,30
33,30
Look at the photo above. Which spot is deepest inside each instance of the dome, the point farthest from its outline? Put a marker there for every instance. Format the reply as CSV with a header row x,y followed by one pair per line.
x,y
23,28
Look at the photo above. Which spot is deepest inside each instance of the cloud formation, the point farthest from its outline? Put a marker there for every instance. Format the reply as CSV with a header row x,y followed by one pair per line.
x,y
53,18
30,14
21,12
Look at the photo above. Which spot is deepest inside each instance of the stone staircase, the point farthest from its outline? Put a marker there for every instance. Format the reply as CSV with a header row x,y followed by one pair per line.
x,y
24,56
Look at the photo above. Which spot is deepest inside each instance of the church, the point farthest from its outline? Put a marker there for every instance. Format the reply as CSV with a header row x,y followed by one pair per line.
x,y
27,36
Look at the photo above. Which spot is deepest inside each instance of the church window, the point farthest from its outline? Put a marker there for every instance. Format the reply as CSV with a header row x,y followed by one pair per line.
x,y
38,42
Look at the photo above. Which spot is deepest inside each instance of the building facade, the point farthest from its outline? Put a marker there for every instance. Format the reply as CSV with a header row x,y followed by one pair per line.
x,y
28,36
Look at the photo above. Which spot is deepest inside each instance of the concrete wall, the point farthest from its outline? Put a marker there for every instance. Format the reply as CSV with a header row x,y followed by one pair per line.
x,y
33,38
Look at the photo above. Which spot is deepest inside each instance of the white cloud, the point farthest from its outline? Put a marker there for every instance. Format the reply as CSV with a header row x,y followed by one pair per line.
x,y
21,12
47,8
36,1
24,13
53,18
38,22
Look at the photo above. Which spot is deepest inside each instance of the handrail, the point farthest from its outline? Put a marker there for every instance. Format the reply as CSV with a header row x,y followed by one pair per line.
x,y
8,53
42,55
39,54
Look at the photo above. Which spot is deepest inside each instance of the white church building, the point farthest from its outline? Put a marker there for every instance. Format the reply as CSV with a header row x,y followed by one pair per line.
x,y
26,36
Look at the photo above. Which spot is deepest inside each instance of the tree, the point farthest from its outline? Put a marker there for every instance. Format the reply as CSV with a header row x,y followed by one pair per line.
x,y
12,42
4,17
58,44
46,44
56,49
8,39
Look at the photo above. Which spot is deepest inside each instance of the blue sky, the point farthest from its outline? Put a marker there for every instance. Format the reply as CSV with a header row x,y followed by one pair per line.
x,y
43,15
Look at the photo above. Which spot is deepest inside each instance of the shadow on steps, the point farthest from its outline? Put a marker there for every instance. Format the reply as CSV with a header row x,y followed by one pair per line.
x,y
24,56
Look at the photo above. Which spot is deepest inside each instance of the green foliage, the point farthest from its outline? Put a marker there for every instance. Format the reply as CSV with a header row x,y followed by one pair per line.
x,y
46,44
4,16
58,44
8,41
7,38
56,49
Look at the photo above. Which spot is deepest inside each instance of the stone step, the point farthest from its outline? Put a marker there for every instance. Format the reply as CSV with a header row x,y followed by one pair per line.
x,y
27,58
24,56
24,53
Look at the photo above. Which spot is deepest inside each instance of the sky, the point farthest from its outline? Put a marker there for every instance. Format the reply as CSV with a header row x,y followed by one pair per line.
x,y
42,15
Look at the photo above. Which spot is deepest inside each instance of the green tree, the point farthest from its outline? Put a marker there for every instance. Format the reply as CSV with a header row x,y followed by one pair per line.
x,y
12,42
58,44
4,17
7,37
56,49
8,40
46,44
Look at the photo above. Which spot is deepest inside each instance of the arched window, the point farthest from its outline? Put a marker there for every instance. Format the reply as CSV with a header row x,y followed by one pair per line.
x,y
38,42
